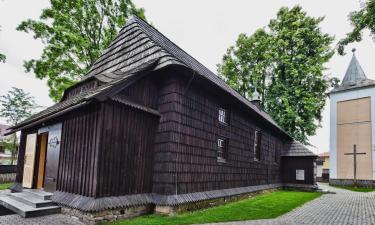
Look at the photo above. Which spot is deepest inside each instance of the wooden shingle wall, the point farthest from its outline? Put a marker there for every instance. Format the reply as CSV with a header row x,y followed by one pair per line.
x,y
186,144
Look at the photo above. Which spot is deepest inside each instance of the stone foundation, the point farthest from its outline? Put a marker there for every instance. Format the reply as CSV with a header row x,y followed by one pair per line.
x,y
168,205
91,218
172,210
349,182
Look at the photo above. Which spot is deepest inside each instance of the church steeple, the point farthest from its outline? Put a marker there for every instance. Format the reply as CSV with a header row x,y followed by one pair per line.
x,y
354,74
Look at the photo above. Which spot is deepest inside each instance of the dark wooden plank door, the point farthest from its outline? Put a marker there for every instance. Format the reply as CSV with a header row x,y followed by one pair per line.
x,y
53,154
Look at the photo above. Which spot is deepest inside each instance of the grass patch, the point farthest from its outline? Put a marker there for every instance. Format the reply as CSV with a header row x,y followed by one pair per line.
x,y
5,186
357,189
264,206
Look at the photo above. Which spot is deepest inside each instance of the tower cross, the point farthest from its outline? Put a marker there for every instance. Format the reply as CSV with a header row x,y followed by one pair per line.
x,y
354,154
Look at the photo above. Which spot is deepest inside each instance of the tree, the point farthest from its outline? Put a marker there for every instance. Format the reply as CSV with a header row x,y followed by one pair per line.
x,y
284,63
75,33
361,20
245,64
16,106
2,56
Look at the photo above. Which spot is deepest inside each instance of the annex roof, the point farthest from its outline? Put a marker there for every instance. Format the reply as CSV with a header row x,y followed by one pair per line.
x,y
296,148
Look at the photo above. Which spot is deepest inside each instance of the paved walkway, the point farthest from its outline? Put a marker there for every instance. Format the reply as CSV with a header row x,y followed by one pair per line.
x,y
343,208
57,219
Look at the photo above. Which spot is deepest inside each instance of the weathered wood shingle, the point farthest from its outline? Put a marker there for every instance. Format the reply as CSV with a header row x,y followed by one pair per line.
x,y
295,148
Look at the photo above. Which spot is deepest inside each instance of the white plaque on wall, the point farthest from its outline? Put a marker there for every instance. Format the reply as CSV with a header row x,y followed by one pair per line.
x,y
300,174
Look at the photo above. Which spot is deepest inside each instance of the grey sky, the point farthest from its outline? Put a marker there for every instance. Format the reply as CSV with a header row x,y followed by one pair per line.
x,y
204,29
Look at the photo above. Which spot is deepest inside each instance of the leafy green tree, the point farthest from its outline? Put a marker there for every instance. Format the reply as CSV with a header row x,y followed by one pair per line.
x,y
361,20
284,62
245,64
16,106
75,33
2,56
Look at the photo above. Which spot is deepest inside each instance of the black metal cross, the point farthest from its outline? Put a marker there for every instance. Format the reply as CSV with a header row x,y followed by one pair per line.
x,y
355,153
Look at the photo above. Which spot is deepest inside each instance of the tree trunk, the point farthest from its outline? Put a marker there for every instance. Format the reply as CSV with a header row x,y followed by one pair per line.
x,y
14,151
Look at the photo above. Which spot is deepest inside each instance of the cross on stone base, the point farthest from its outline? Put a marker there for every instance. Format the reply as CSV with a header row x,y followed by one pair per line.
x,y
354,154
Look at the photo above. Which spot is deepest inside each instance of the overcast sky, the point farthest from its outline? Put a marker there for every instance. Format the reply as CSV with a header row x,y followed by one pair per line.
x,y
204,29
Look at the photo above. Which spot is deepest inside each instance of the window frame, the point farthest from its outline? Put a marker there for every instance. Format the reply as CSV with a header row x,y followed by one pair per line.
x,y
276,154
223,116
257,145
222,150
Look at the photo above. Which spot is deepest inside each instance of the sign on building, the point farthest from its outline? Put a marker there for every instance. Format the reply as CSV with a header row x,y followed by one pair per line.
x,y
300,174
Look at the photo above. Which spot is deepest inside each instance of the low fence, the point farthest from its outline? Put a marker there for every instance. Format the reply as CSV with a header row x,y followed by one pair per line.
x,y
7,173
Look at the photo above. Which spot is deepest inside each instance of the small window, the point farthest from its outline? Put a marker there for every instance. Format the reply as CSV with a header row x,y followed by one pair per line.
x,y
223,116
276,153
221,149
257,144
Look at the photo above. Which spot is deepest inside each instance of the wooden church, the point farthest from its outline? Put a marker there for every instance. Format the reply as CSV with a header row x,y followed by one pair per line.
x,y
150,129
352,129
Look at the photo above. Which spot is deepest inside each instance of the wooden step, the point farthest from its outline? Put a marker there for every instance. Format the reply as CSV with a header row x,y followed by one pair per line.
x,y
25,210
43,195
31,200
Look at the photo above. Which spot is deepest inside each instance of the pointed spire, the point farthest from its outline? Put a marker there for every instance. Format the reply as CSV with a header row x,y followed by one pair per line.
x,y
354,74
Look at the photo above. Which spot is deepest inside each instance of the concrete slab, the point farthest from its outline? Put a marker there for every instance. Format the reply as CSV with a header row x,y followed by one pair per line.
x,y
25,210
39,193
31,200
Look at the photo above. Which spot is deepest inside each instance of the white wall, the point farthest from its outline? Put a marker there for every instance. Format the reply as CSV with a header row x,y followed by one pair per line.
x,y
343,96
319,170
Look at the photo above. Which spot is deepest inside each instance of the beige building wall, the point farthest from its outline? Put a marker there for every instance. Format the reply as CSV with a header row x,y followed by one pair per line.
x,y
354,127
326,162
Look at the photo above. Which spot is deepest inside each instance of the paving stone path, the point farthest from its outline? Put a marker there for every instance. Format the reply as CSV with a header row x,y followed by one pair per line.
x,y
343,208
57,219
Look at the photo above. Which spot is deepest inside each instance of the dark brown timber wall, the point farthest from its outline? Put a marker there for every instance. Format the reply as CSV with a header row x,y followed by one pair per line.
x,y
186,143
21,157
79,151
126,152
127,148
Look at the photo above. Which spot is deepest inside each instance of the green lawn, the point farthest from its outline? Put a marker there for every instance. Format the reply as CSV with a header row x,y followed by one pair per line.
x,y
357,189
5,186
264,206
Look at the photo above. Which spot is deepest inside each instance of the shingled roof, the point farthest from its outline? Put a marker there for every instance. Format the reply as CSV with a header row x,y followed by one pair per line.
x,y
295,148
354,77
139,43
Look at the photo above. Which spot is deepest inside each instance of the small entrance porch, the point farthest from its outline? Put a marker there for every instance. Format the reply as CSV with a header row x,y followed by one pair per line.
x,y
42,149
41,159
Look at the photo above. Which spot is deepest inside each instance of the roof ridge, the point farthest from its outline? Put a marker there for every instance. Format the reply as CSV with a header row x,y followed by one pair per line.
x,y
142,25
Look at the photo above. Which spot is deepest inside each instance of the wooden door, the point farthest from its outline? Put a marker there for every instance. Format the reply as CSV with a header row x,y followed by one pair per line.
x,y
53,154
28,168
42,159
354,127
